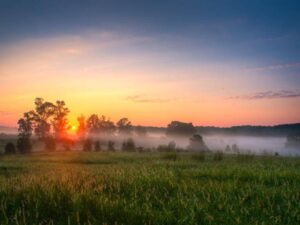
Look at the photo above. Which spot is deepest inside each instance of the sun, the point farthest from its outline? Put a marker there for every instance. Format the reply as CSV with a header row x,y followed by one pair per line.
x,y
73,128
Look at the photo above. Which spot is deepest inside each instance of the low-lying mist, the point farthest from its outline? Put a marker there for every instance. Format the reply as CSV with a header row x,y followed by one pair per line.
x,y
230,143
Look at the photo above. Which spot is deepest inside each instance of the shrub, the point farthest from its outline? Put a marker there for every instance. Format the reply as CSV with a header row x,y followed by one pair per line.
x,y
10,148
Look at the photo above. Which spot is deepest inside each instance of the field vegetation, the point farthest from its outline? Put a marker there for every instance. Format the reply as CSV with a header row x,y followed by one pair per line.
x,y
148,188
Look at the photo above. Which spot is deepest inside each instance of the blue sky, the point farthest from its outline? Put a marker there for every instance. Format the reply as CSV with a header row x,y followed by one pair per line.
x,y
226,49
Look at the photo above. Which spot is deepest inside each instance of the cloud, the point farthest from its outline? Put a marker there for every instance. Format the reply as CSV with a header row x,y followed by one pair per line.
x,y
145,99
269,95
274,67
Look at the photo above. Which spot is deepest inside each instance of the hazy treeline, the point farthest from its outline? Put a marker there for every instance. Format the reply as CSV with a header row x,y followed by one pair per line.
x,y
47,127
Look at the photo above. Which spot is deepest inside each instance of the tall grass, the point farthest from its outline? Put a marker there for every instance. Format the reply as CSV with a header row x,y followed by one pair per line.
x,y
140,188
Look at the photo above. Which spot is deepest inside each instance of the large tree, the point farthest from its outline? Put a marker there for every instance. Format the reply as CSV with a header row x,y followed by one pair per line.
x,y
41,116
60,121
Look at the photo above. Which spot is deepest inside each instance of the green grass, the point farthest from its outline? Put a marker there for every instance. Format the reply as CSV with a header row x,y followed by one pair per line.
x,y
148,188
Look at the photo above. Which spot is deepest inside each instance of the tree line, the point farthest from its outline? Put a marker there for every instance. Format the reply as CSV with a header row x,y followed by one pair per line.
x,y
48,123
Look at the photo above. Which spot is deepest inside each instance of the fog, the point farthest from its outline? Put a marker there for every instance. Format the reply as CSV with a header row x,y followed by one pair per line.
x,y
245,144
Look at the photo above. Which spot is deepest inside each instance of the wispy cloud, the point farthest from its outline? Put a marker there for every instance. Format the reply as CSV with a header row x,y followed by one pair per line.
x,y
145,99
279,66
269,95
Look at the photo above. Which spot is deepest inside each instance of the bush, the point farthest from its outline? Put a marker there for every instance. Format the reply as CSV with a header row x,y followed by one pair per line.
x,y
10,148
97,146
24,144
87,145
128,145
218,156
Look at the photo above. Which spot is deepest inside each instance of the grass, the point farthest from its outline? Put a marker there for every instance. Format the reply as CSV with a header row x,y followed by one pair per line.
x,y
148,188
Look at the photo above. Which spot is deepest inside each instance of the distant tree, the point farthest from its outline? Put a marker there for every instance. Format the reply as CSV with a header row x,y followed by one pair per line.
x,y
81,130
111,146
97,146
60,121
128,145
124,126
25,131
140,131
197,143
87,145
92,123
177,128
10,148
106,126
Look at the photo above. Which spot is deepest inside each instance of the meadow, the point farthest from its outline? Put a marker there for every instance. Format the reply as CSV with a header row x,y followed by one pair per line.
x,y
148,188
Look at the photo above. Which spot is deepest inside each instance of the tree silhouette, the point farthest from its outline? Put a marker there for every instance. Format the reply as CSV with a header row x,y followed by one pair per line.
x,y
60,121
81,130
92,123
197,143
177,128
43,111
128,145
106,126
25,131
124,126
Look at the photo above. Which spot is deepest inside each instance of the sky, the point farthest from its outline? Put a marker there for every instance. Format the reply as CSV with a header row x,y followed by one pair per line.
x,y
212,63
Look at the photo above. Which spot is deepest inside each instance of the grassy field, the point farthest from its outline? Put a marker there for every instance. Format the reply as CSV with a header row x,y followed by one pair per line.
x,y
148,188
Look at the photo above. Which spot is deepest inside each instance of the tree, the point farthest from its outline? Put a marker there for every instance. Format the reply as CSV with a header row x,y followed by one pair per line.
x,y
124,126
128,145
81,127
92,123
60,121
177,128
197,143
24,144
25,131
43,111
97,146
106,126
10,148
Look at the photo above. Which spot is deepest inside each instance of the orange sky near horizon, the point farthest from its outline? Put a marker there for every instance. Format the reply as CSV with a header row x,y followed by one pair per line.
x,y
107,74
